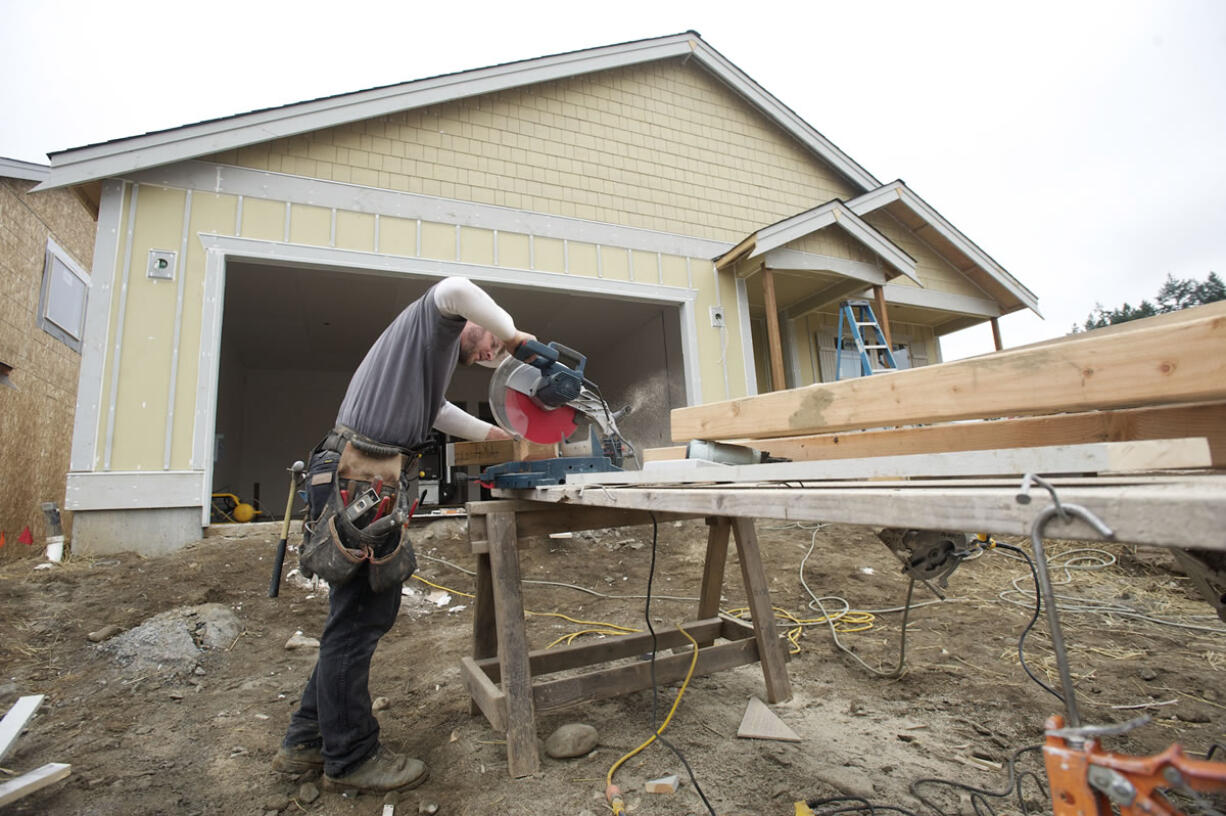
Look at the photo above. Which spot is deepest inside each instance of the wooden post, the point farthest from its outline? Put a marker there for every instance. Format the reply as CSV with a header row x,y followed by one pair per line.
x,y
996,335
778,380
713,568
883,317
522,756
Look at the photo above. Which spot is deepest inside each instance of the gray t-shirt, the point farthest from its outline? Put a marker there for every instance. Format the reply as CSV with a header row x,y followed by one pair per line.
x,y
397,391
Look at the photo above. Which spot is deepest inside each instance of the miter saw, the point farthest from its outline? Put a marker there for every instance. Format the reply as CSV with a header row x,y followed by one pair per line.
x,y
539,394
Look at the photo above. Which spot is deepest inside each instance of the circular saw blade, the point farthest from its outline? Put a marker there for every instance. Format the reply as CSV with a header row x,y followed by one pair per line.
x,y
516,412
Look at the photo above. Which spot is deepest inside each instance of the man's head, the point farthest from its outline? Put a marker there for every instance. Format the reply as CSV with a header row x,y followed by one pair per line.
x,y
479,345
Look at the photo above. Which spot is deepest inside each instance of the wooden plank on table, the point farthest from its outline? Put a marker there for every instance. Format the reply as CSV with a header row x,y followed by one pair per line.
x,y
497,451
1176,362
1120,425
486,696
1097,457
1187,511
614,682
544,519
26,784
548,661
15,720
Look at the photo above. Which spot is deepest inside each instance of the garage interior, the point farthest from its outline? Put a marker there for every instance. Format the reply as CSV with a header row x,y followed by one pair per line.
x,y
292,337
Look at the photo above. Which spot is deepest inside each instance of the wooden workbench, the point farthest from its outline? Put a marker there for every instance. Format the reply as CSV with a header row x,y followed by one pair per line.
x,y
509,684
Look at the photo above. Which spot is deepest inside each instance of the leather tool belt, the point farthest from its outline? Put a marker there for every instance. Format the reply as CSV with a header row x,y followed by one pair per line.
x,y
359,503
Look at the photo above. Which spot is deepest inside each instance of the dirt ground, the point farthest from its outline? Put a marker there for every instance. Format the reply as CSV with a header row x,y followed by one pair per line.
x,y
200,741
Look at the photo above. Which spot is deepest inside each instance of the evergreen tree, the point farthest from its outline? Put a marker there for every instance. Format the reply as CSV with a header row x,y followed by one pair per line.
x,y
1173,295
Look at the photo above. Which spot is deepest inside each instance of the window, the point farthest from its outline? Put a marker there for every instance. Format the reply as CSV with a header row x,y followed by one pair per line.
x,y
61,308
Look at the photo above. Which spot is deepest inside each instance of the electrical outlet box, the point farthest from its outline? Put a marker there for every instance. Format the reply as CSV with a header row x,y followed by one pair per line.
x,y
161,264
717,317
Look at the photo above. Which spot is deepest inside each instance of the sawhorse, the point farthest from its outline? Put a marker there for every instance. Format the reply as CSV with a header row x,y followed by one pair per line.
x,y
507,682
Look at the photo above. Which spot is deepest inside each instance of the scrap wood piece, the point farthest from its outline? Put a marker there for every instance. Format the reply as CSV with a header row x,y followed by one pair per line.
x,y
15,720
665,784
27,783
1159,364
760,722
1101,457
1120,425
497,451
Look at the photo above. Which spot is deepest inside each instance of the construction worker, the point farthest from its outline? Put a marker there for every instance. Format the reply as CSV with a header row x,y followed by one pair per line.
x,y
394,399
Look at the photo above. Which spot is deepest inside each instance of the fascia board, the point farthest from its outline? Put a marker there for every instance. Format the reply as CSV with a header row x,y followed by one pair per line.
x,y
832,212
981,308
784,116
812,262
29,171
898,191
164,147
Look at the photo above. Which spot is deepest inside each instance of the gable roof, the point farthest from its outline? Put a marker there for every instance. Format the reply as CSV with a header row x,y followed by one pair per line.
x,y
122,156
810,221
945,239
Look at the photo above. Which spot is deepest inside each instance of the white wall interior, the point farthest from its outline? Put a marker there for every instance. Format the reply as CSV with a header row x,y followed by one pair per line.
x,y
292,337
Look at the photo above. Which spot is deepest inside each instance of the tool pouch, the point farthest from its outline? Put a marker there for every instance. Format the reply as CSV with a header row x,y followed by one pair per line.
x,y
324,553
394,568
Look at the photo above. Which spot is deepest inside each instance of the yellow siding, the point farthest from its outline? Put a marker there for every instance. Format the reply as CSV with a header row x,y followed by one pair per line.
x,y
438,241
835,242
513,250
607,147
108,387
263,219
581,259
355,231
148,337
211,213
675,271
646,267
310,225
397,236
548,255
477,246
614,263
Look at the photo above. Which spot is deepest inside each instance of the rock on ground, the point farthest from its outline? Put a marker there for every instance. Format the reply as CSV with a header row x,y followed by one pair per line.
x,y
174,641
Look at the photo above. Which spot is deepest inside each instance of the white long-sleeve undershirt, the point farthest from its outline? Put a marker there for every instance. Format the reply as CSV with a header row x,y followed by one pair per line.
x,y
454,421
460,297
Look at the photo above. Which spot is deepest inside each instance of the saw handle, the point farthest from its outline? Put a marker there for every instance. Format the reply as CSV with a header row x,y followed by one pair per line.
x,y
544,357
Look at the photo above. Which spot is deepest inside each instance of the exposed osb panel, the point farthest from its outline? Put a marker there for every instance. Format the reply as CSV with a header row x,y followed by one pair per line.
x,y
661,146
36,420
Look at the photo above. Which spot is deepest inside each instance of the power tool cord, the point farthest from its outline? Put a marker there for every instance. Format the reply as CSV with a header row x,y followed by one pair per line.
x,y
1038,608
655,690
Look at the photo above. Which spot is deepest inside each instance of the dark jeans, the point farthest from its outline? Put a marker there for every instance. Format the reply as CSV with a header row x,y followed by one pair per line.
x,y
335,708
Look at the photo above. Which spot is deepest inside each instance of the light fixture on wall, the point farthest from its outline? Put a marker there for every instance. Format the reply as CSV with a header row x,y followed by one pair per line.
x,y
5,368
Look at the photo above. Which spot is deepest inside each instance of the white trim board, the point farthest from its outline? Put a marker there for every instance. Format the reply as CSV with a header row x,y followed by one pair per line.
x,y
1175,512
243,181
27,171
15,720
37,779
135,489
1096,457
833,212
169,146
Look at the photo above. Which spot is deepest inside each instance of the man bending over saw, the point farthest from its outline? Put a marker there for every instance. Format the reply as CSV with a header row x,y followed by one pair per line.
x,y
361,487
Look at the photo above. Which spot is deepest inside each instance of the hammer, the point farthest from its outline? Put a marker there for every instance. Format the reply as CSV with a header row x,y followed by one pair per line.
x,y
274,586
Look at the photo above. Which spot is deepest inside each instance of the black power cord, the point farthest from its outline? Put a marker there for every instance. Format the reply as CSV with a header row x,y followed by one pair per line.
x,y
1038,607
655,691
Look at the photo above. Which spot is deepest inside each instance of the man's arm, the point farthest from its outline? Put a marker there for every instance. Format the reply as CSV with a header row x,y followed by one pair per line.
x,y
455,422
460,297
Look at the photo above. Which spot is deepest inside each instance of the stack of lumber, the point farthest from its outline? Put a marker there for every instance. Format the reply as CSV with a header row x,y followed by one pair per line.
x,y
1144,395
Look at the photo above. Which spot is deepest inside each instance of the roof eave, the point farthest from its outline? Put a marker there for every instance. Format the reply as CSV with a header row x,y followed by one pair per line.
x,y
27,171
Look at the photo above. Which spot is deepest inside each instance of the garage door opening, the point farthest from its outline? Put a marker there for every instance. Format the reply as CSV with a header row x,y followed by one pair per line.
x,y
292,337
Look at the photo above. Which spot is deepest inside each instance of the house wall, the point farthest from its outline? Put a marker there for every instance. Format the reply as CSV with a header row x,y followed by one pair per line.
x,y
35,421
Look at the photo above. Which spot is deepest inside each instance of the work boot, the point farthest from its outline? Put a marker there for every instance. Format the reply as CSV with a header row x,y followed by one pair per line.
x,y
298,759
384,771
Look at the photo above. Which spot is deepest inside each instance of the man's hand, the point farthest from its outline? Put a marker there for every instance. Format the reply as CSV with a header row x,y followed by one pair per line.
x,y
518,340
496,433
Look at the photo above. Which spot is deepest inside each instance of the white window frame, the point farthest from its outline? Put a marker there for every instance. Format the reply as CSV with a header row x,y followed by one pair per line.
x,y
64,334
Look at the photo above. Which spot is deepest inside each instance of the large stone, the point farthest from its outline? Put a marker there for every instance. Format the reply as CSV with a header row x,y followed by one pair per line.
x,y
571,740
173,642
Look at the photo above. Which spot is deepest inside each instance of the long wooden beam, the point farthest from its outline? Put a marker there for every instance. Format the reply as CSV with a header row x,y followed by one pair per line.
x,y
1174,512
1206,420
1096,457
778,380
1179,362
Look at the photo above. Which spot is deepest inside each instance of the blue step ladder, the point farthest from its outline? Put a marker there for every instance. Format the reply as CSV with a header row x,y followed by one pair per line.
x,y
875,354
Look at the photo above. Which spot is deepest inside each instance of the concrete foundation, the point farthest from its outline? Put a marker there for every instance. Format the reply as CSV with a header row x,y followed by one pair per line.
x,y
148,532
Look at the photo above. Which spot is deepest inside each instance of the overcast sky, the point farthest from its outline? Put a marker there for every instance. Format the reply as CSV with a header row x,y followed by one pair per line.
x,y
1082,145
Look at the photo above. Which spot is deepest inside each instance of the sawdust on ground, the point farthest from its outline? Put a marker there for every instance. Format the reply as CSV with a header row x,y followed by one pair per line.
x,y
168,741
